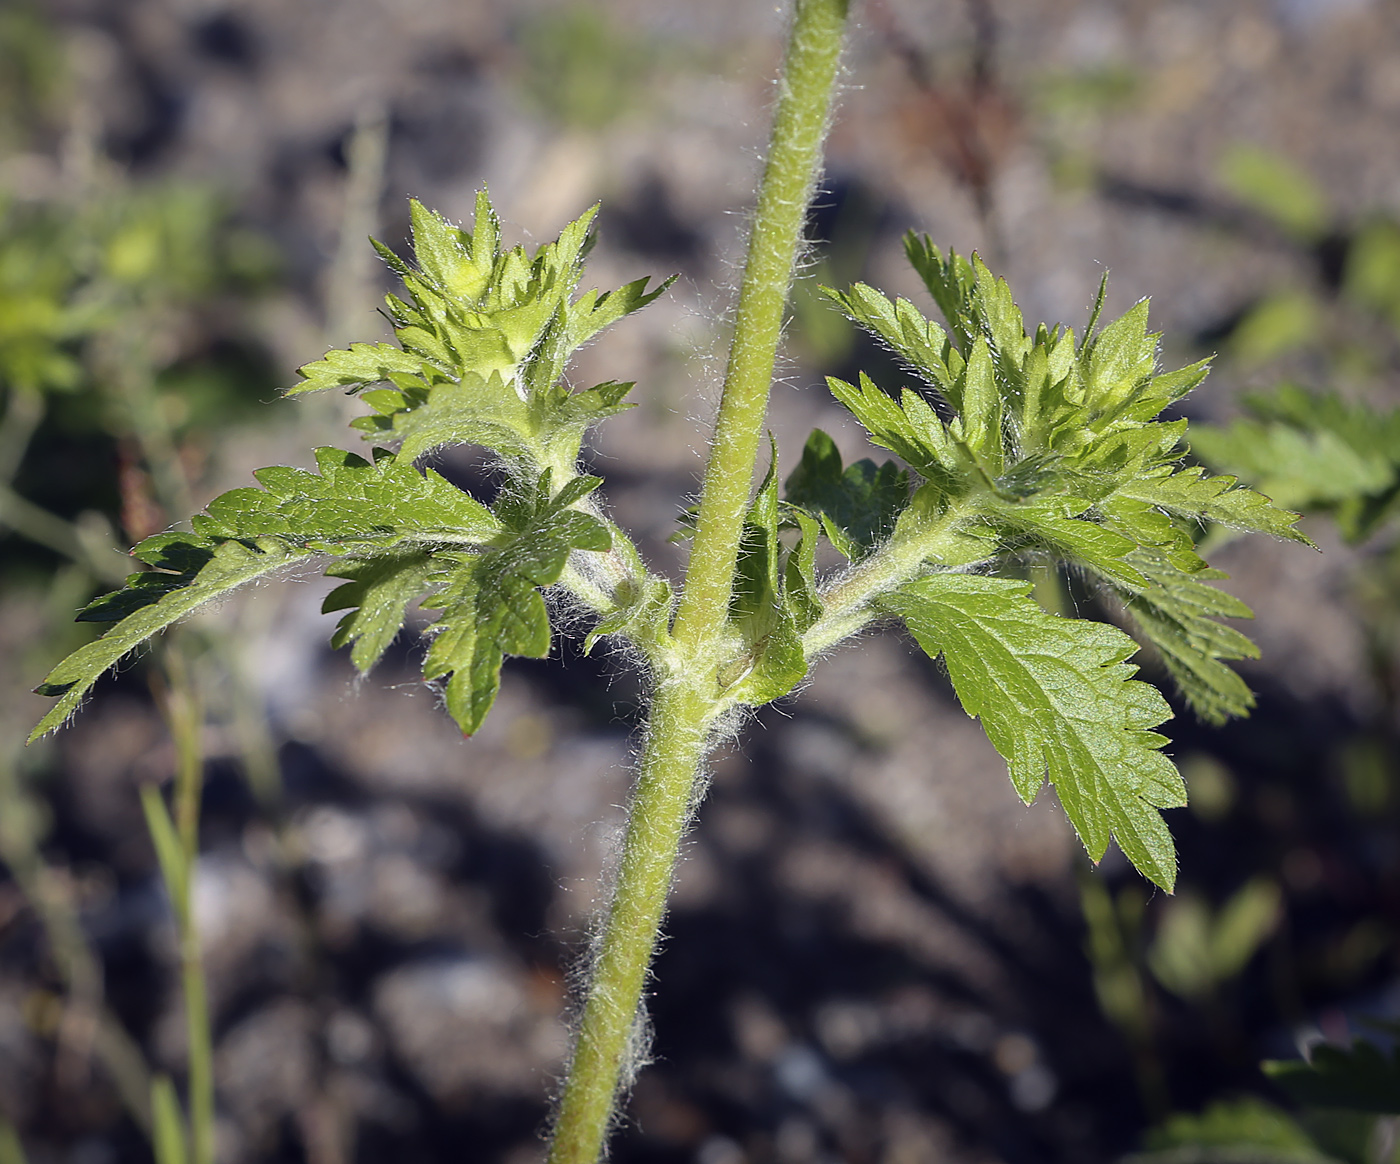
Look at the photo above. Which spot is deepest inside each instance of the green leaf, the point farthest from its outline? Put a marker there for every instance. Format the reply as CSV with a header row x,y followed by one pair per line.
x,y
1064,525
221,569
860,502
491,603
909,429
484,338
1177,615
979,419
1359,1078
1058,701
952,283
1119,360
1002,326
800,590
771,661
919,342
359,365
1242,1131
377,595
1190,493
351,505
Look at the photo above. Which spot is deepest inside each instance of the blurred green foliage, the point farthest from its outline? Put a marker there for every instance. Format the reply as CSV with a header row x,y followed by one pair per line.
x,y
1278,189
1238,1130
582,68
1196,948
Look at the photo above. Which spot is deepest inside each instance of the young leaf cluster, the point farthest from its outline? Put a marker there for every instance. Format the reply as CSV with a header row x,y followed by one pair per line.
x,y
1029,446
483,339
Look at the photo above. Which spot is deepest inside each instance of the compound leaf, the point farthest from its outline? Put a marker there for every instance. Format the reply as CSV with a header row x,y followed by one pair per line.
x,y
1177,614
376,596
484,335
491,603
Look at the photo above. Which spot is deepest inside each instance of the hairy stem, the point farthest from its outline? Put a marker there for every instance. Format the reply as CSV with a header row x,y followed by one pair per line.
x,y
794,157
687,699
848,601
657,817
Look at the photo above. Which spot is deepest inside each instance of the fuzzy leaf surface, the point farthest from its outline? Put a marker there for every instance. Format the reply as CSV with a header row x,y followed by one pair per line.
x,y
484,335
1057,699
1178,614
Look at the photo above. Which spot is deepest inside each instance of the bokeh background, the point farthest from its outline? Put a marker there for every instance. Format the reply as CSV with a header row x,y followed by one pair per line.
x,y
876,953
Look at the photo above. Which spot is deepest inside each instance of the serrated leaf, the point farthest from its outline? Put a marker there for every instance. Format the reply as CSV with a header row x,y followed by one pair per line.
x,y
223,568
491,603
484,337
351,505
1190,493
919,342
377,596
910,429
770,662
1063,525
1177,615
951,281
1058,701
1002,326
1119,359
359,365
861,500
979,419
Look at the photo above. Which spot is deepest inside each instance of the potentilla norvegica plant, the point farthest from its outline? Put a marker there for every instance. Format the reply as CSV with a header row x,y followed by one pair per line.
x,y
1017,445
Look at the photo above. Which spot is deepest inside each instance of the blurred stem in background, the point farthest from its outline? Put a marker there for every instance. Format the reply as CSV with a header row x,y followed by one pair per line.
x,y
177,847
1114,929
350,282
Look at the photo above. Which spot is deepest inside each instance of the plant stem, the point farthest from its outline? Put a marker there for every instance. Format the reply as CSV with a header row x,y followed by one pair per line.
x,y
686,700
186,719
794,156
657,817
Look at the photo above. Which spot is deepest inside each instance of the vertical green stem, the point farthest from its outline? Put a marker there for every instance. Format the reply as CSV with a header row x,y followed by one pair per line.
x,y
686,699
658,814
794,156
186,720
